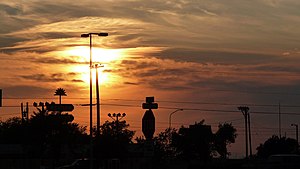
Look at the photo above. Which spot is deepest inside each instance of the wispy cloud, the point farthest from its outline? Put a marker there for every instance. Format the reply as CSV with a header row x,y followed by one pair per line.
x,y
233,51
231,25
55,77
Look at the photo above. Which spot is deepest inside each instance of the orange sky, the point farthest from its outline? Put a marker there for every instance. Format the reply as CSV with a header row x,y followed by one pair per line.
x,y
202,56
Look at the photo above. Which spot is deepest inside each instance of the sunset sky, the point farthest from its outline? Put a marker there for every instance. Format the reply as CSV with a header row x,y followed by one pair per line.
x,y
205,56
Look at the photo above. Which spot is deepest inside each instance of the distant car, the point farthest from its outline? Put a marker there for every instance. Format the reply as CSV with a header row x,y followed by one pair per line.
x,y
283,161
78,164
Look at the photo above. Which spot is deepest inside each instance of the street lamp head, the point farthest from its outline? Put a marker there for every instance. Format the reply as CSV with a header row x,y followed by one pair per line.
x,y
103,34
85,35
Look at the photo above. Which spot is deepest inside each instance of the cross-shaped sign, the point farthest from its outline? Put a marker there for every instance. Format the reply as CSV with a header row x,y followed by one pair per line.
x,y
149,103
148,121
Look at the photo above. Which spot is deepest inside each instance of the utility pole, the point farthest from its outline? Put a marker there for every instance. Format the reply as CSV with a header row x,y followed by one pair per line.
x,y
249,128
85,35
279,119
96,66
245,110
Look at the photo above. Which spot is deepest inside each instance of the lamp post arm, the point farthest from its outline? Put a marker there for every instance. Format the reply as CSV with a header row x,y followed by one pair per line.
x,y
170,116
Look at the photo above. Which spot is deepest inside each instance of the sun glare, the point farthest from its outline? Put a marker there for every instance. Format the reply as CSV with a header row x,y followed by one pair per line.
x,y
84,74
99,55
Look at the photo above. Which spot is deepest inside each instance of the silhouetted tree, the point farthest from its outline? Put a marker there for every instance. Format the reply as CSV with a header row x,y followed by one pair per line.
x,y
276,145
225,135
44,133
60,92
163,145
197,141
12,131
193,142
51,130
113,140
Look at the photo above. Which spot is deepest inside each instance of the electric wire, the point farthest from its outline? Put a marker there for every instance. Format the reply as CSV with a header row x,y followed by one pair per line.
x,y
170,101
188,109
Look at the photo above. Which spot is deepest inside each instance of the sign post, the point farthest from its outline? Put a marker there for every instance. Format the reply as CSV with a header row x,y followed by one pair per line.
x,y
60,107
148,121
148,126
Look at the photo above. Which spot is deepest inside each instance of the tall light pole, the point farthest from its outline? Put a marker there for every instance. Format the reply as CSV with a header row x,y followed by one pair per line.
x,y
171,116
98,99
91,91
296,125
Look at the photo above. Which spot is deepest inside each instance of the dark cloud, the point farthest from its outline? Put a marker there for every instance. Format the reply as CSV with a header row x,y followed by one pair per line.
x,y
283,65
72,74
267,92
26,91
129,62
67,9
44,78
169,84
54,60
11,10
135,65
131,83
128,37
155,75
77,80
218,57
151,70
55,77
56,35
109,70
164,72
7,41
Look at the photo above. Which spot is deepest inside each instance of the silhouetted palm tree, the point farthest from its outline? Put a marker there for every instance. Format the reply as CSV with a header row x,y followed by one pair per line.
x,y
60,92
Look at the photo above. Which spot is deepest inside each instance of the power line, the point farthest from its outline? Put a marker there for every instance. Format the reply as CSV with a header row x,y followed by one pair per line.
x,y
188,109
171,101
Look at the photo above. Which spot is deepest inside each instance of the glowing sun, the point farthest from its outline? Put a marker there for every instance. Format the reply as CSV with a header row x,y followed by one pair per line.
x,y
101,56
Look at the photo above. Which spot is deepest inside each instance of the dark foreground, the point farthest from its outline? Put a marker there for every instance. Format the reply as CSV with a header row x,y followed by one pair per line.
x,y
149,164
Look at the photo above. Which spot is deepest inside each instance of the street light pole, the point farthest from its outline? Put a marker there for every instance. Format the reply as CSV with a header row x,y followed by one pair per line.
x,y
91,92
98,99
296,125
171,116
